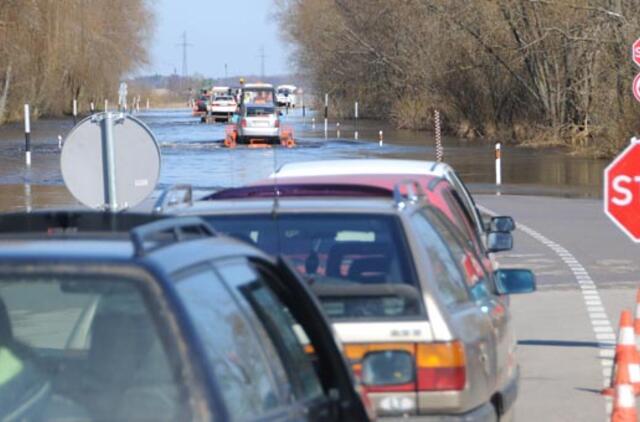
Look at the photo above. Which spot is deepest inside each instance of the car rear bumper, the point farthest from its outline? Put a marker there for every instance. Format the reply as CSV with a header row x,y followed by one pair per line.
x,y
483,413
249,132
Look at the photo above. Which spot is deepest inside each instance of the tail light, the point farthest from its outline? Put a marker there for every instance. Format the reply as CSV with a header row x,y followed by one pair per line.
x,y
243,122
440,366
409,367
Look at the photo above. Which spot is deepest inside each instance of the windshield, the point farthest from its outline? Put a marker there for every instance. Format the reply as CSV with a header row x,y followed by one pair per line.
x,y
358,265
260,111
83,348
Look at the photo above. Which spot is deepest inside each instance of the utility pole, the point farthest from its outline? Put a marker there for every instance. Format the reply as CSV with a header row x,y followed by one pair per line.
x,y
262,57
184,44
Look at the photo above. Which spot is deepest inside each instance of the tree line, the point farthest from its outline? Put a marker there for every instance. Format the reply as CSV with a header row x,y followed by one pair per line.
x,y
52,51
532,71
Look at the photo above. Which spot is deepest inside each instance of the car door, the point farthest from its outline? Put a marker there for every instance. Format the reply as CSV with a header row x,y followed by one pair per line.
x,y
480,284
259,288
250,381
466,317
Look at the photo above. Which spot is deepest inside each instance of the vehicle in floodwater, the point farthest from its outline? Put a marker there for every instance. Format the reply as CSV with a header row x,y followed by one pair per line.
x,y
286,95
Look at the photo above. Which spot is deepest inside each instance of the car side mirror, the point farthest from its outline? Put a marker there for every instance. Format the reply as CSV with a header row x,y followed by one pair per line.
x,y
514,281
499,241
502,224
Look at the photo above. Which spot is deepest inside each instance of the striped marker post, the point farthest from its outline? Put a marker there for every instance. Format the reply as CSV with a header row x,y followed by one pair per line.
x,y
27,135
75,111
498,164
438,135
355,133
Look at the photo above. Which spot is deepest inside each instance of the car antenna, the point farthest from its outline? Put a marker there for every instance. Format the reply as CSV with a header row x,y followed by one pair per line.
x,y
276,200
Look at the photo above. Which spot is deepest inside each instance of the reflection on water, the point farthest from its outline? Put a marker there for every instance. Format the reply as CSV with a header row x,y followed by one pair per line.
x,y
192,153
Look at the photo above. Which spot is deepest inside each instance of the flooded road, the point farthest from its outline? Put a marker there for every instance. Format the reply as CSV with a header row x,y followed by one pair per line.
x,y
192,153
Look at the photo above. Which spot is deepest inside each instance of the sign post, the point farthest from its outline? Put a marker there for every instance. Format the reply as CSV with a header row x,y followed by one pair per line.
x,y
622,190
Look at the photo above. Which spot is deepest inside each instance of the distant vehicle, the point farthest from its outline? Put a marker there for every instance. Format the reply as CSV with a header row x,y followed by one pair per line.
x,y
220,90
407,294
111,317
286,95
258,93
222,107
201,104
259,122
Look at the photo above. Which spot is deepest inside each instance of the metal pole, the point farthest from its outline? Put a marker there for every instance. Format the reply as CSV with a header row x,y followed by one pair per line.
x,y
355,133
326,114
75,111
108,163
498,164
304,111
27,135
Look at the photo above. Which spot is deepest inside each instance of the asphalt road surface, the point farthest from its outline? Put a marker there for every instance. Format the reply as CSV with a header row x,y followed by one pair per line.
x,y
588,272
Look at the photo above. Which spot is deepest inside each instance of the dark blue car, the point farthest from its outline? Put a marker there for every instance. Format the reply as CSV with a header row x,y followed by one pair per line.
x,y
133,317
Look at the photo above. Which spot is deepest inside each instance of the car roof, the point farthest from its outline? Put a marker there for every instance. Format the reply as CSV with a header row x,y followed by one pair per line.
x,y
361,166
386,181
63,236
287,205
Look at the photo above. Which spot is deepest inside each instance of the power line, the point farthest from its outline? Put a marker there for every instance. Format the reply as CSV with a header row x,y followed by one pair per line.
x,y
184,44
262,57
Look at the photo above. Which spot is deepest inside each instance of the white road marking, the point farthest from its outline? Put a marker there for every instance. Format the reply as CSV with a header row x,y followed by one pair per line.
x,y
601,326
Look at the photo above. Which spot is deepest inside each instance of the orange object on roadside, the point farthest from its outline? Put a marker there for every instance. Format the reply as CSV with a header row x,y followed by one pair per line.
x,y
624,403
626,359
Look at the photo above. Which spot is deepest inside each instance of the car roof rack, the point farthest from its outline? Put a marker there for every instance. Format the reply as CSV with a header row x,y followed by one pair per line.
x,y
57,222
165,232
168,198
413,192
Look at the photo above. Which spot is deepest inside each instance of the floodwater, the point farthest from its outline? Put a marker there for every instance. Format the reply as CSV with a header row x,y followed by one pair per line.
x,y
192,152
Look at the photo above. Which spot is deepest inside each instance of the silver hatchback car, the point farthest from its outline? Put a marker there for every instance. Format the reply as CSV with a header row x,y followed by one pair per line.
x,y
260,122
407,296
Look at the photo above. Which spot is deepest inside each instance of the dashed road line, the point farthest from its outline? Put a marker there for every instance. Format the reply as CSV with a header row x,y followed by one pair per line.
x,y
600,323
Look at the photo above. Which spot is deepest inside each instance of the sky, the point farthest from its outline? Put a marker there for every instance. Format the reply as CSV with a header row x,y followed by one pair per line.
x,y
219,31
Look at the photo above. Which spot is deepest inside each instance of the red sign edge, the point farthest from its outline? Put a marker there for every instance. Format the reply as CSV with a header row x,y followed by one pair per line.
x,y
634,144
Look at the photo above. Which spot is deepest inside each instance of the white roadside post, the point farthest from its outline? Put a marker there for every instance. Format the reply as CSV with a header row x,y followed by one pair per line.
x,y
75,111
147,104
326,114
92,107
355,133
27,136
438,135
106,105
338,130
380,138
313,123
498,164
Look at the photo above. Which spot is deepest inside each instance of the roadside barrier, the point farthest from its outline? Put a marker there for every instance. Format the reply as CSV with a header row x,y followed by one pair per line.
x,y
626,357
624,405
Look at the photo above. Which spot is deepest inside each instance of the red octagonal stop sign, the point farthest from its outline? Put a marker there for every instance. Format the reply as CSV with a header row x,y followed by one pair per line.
x,y
622,190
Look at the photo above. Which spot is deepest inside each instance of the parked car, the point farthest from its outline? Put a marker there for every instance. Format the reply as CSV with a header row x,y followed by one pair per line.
x,y
222,107
350,167
409,299
258,122
140,318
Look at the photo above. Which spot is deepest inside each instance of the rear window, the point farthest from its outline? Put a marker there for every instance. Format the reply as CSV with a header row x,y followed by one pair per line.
x,y
85,348
358,265
260,111
224,98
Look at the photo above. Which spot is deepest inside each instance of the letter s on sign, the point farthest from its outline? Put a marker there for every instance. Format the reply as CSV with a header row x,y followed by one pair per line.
x,y
626,192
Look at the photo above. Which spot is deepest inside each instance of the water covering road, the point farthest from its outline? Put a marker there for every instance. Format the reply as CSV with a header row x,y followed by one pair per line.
x,y
192,153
